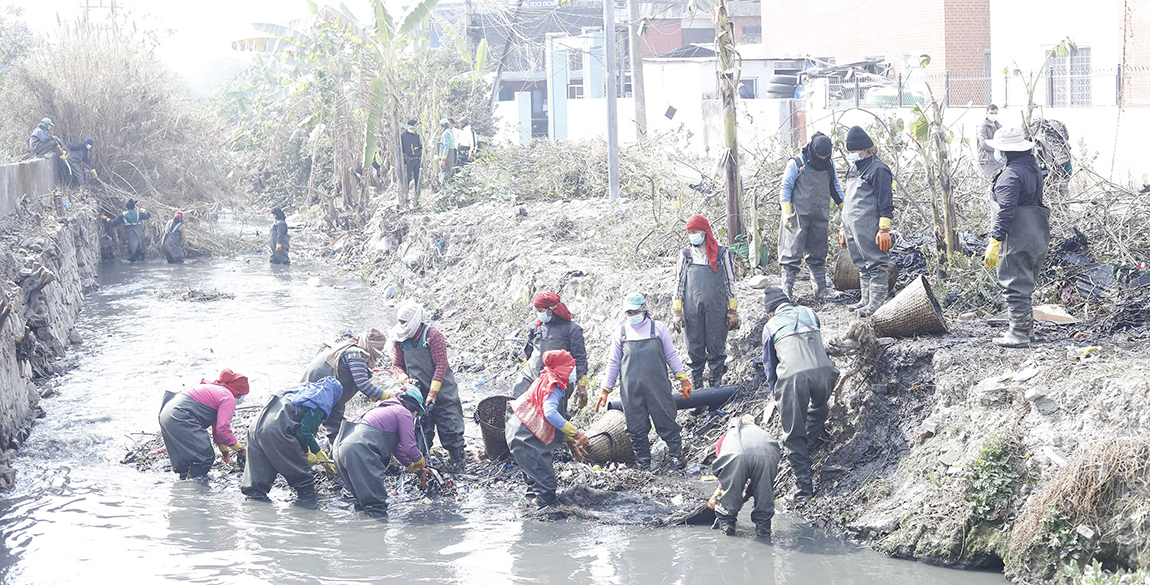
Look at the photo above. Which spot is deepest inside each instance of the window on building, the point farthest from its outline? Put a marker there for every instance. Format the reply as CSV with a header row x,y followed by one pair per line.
x,y
1068,79
749,89
697,36
751,34
575,91
575,61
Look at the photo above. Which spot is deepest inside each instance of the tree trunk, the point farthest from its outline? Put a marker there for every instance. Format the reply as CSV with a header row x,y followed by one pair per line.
x,y
728,77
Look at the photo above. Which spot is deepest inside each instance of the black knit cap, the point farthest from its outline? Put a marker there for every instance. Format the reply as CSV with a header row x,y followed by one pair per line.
x,y
774,296
278,213
858,139
821,145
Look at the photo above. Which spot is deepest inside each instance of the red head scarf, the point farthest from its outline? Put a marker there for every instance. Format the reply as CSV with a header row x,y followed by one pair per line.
x,y
698,223
550,300
237,383
557,366
179,216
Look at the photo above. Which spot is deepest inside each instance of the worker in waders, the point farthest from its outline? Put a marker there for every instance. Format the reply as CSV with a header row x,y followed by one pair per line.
x,y
420,355
553,329
282,440
133,220
185,415
809,186
746,463
362,450
536,425
802,377
867,213
351,362
173,243
705,303
280,239
639,360
1020,236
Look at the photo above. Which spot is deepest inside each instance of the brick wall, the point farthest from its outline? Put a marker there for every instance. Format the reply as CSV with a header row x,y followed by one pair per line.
x,y
661,36
1136,83
967,29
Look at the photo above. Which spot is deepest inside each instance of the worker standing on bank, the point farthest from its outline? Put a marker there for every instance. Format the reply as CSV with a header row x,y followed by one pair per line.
x,y
746,463
988,157
535,426
185,415
282,440
448,153
280,239
133,220
420,355
802,377
867,213
363,450
639,361
553,330
809,186
351,362
705,303
1020,236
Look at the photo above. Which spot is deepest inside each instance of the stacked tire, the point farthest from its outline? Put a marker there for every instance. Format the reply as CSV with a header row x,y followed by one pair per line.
x,y
782,86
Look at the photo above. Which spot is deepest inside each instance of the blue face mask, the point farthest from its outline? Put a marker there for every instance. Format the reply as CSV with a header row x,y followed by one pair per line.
x,y
240,399
854,156
998,156
544,317
571,379
637,319
697,239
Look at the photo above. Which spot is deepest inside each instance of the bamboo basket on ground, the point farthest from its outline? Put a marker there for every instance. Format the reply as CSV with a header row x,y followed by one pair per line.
x,y
609,440
846,275
913,311
492,418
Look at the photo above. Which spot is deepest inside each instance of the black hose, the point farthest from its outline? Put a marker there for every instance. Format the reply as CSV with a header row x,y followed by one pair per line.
x,y
710,397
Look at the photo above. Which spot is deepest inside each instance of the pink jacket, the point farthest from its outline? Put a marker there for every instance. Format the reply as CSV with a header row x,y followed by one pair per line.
x,y
220,398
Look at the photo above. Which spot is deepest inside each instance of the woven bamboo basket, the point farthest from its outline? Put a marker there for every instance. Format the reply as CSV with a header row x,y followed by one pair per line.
x,y
846,275
609,440
913,311
492,417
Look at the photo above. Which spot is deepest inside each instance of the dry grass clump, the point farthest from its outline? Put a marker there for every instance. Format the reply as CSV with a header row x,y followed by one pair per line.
x,y
1090,491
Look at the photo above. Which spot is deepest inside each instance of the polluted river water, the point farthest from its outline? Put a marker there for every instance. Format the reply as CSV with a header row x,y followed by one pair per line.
x,y
76,512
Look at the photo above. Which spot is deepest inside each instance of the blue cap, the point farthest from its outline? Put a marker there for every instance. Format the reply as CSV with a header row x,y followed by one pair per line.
x,y
634,302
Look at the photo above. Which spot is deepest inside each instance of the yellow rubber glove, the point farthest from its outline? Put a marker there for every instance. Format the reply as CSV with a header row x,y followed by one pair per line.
x,y
990,260
569,432
733,304
414,467
788,216
677,305
279,247
581,391
884,223
225,454
684,385
237,447
679,320
402,377
328,464
435,386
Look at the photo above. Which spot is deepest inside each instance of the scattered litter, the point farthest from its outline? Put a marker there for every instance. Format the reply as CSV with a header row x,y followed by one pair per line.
x,y
1053,314
1053,456
195,295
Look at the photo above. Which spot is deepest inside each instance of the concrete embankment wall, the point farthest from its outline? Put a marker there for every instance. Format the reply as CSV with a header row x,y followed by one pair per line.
x,y
39,241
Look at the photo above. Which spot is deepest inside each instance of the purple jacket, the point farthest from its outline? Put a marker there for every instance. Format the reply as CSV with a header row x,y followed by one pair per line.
x,y
391,415
643,331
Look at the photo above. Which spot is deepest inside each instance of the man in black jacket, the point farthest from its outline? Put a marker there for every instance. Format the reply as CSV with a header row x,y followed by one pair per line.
x,y
1020,235
412,147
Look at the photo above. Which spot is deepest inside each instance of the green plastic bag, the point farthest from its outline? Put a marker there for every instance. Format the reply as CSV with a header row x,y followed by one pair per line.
x,y
741,249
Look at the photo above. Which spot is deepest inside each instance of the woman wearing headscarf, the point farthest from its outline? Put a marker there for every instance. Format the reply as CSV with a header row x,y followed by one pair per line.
x,y
173,242
363,449
281,240
533,422
705,302
282,440
185,415
420,354
639,360
553,329
867,214
351,362
809,186
133,229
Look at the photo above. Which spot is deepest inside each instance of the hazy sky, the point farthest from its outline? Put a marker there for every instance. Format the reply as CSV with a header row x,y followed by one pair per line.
x,y
199,46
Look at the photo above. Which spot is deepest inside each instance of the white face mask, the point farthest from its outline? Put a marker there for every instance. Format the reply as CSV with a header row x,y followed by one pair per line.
x,y
637,319
544,317
854,156
992,117
696,239
998,156
240,399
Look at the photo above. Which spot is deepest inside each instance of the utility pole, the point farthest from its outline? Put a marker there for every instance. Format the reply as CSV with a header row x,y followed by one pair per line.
x,y
612,91
637,90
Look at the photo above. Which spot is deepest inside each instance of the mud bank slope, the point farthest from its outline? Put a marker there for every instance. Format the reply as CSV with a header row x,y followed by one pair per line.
x,y
948,449
48,257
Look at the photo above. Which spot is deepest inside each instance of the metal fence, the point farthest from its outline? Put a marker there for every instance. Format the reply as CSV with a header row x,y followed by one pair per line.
x,y
905,92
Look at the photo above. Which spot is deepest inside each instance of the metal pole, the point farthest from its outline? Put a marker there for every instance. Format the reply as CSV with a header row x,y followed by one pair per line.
x,y
638,92
900,90
612,92
948,87
1005,90
858,95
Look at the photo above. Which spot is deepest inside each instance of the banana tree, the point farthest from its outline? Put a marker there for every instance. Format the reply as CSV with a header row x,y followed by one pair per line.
x,y
1065,48
389,38
932,140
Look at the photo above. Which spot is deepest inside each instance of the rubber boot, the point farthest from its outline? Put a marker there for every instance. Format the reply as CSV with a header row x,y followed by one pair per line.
x,y
727,526
789,284
864,297
715,381
1018,335
697,380
822,291
877,298
806,489
458,459
763,530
